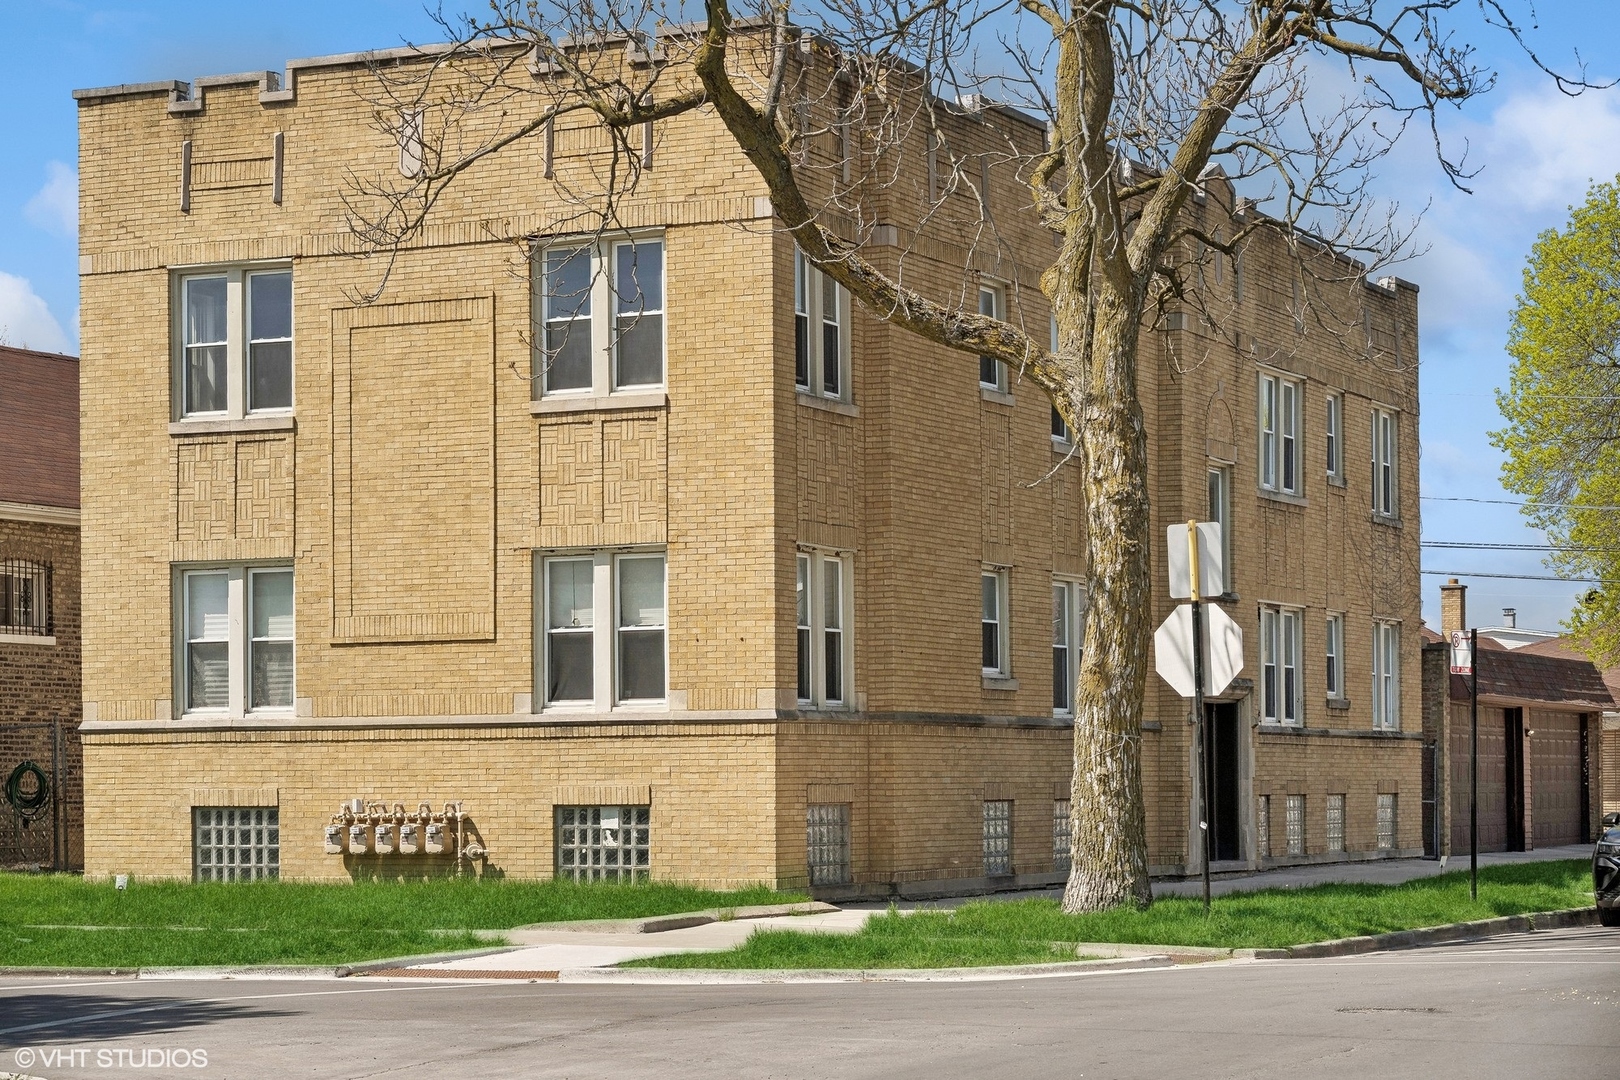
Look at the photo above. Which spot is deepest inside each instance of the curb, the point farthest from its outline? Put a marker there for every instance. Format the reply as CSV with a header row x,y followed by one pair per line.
x,y
1435,935
66,973
657,924
761,976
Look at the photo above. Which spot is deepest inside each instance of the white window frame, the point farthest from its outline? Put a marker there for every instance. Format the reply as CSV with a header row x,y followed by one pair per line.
x,y
603,318
1333,432
1069,602
993,302
605,630
811,322
1279,426
1386,673
237,343
1062,435
1282,698
1333,654
813,568
1003,669
1386,441
1219,486
236,635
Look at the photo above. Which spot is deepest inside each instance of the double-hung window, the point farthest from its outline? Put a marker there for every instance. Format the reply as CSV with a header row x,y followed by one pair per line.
x,y
1068,637
1334,428
992,372
25,598
820,332
1385,438
994,656
1279,434
236,656
1060,426
1386,668
1333,666
236,348
824,610
600,317
603,630
1220,512
1280,650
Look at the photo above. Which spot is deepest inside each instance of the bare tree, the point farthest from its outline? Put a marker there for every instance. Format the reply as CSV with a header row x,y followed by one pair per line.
x,y
1144,101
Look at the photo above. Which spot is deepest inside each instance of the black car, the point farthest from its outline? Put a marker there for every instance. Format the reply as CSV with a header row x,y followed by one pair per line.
x,y
1606,871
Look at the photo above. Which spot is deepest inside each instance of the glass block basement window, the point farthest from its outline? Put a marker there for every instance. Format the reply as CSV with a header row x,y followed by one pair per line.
x,y
235,843
1335,823
1295,824
997,837
827,843
1062,837
602,843
1262,827
1386,823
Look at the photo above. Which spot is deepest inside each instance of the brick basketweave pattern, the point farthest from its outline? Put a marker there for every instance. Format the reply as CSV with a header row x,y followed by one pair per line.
x,y
417,481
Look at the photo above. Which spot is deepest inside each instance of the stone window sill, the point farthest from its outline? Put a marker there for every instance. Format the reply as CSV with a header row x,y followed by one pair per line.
x,y
998,397
46,640
1339,703
1387,520
1283,497
598,403
997,682
238,426
832,405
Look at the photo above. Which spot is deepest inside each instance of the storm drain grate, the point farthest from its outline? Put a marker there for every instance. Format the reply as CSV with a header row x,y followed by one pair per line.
x,y
460,973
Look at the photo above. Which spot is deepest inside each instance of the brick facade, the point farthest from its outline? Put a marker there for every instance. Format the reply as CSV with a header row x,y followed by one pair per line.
x,y
419,481
39,641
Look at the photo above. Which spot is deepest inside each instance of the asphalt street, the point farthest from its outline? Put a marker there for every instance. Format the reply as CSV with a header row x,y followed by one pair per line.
x,y
1539,1005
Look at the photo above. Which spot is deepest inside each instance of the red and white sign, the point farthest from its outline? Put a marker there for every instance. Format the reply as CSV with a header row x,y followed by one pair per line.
x,y
1462,655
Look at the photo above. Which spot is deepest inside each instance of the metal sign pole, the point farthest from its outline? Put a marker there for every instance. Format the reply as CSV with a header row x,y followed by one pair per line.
x,y
1473,766
1198,701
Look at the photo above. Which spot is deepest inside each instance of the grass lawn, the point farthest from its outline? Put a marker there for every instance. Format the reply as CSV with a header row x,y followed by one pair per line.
x,y
1034,931
43,918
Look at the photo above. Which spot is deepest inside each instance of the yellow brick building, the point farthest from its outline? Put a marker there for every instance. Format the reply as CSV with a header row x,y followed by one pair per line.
x,y
652,552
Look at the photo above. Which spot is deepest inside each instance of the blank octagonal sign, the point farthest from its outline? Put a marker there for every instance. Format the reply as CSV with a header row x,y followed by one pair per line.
x,y
1223,649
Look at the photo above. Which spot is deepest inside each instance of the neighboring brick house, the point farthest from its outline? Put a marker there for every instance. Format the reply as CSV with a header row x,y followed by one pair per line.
x,y
1541,768
749,587
39,605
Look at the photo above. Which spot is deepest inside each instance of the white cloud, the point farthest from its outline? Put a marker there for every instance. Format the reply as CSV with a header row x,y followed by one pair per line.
x,y
25,320
55,207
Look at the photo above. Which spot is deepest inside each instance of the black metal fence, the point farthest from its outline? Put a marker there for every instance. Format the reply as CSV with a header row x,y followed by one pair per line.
x,y
25,598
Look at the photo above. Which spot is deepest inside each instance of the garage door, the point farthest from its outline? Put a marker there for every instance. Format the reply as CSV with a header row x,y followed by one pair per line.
x,y
1555,764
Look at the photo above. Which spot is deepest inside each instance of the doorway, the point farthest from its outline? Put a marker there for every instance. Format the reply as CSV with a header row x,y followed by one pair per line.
x,y
1223,770
1513,777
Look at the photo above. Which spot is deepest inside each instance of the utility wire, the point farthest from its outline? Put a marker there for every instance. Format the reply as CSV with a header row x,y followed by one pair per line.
x,y
1514,502
1462,546
1522,577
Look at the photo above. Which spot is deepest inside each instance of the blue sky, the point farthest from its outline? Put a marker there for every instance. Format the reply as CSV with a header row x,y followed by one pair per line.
x,y
1538,149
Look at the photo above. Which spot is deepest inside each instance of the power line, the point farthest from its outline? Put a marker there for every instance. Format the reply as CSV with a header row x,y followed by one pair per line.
x,y
1462,546
1522,577
1514,502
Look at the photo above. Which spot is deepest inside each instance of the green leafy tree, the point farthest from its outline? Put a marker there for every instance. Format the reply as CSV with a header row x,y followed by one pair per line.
x,y
1562,405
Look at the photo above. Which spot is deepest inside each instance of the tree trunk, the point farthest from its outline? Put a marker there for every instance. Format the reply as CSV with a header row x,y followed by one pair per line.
x,y
1109,816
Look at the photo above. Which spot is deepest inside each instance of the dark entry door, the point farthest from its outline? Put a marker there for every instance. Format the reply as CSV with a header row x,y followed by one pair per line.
x,y
1222,769
1513,776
